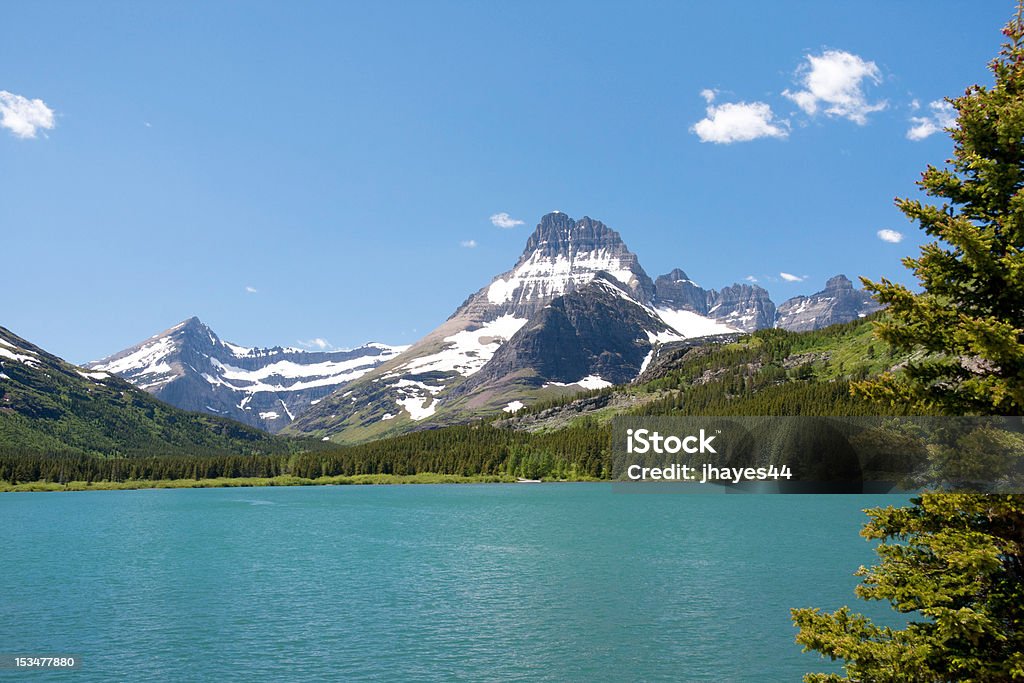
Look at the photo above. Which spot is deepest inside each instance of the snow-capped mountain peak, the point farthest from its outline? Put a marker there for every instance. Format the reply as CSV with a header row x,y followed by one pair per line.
x,y
189,366
561,255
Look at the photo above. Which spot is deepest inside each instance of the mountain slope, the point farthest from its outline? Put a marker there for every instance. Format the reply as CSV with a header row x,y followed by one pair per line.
x,y
190,367
50,406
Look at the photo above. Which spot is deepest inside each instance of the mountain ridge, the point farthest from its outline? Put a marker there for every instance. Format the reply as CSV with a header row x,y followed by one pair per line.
x,y
189,366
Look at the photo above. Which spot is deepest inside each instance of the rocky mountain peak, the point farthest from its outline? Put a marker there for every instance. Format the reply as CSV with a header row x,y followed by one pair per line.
x,y
194,330
839,282
675,275
558,234
561,255
838,302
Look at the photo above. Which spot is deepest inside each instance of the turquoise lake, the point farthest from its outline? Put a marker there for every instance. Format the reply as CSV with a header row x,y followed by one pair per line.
x,y
550,582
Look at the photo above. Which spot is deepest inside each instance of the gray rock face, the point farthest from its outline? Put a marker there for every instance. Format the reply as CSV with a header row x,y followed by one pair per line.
x,y
678,291
839,302
190,367
593,332
744,307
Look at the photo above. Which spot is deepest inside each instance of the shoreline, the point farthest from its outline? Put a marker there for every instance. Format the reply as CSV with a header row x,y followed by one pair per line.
x,y
255,482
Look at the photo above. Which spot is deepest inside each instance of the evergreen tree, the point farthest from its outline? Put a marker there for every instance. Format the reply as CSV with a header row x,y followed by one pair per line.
x,y
953,562
959,563
969,319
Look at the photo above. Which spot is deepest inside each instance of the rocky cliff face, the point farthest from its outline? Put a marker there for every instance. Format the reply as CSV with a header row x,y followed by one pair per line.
x,y
676,290
191,368
741,306
745,307
839,302
591,337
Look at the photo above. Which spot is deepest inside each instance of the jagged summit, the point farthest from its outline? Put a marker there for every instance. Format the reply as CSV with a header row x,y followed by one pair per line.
x,y
676,275
558,233
561,255
837,283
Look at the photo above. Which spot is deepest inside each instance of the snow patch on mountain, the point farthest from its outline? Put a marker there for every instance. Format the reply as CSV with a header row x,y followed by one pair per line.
x,y
588,382
467,351
543,277
514,406
95,376
9,350
31,361
414,406
146,363
690,324
647,361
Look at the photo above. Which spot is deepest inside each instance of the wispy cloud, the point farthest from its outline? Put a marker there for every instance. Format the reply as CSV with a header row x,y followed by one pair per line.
x,y
503,220
737,122
789,277
893,236
750,278
316,344
24,117
943,116
250,289
834,81
468,244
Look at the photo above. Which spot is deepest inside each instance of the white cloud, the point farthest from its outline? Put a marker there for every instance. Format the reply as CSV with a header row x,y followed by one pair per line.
x,y
250,289
709,95
318,344
834,81
23,116
739,122
893,236
503,220
789,277
915,104
943,116
468,244
750,278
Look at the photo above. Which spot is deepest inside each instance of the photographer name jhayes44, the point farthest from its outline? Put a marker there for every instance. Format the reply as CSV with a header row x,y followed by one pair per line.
x,y
708,473
643,441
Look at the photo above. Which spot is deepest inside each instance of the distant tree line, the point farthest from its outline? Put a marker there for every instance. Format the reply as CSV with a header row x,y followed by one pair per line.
x,y
581,451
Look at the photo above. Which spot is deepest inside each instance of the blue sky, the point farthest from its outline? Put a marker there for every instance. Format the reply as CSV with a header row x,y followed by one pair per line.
x,y
291,173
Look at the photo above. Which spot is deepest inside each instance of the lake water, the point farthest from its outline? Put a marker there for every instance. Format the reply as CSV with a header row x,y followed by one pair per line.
x,y
558,582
